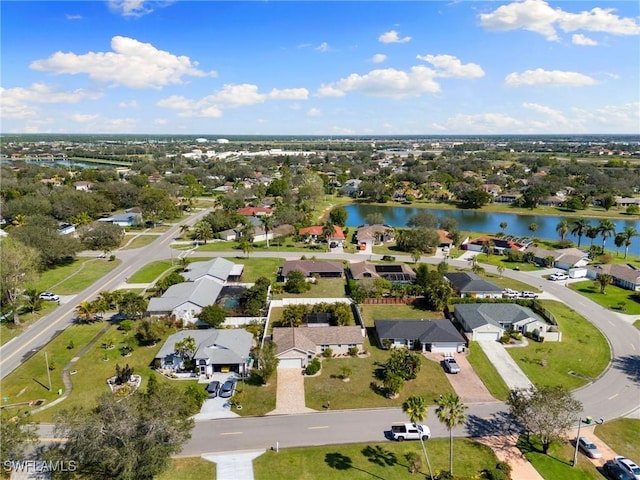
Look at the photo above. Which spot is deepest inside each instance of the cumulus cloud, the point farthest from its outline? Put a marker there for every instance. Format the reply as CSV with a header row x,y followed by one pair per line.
x,y
131,104
161,121
393,37
229,96
553,114
323,47
486,123
579,39
387,82
84,117
553,78
18,102
450,66
537,16
130,8
131,63
314,112
378,58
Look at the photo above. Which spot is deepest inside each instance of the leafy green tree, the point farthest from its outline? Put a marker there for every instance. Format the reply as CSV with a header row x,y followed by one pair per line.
x,y
547,412
607,202
632,210
629,233
150,331
267,361
156,205
296,282
475,198
19,268
591,233
602,280
503,227
420,239
186,347
18,435
202,231
533,227
167,281
213,315
423,219
293,315
101,235
402,363
41,233
450,412
132,305
338,216
393,384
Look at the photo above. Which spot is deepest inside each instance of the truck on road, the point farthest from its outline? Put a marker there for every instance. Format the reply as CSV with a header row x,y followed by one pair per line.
x,y
410,431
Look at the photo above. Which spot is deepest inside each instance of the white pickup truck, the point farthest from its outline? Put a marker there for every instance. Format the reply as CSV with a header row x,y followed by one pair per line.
x,y
410,431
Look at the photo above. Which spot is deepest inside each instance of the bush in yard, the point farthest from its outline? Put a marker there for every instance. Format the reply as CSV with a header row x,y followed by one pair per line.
x,y
353,351
196,396
506,338
126,325
505,467
313,367
123,375
327,353
401,363
415,462
296,282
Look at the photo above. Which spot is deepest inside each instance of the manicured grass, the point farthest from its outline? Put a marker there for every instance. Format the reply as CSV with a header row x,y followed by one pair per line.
x,y
395,312
30,380
556,464
497,260
637,324
255,268
189,468
9,330
87,275
151,271
510,283
614,298
257,399
583,350
357,392
372,461
137,241
323,288
487,372
622,435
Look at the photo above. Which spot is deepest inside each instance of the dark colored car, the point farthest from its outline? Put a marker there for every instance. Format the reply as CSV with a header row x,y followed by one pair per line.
x,y
213,388
615,472
228,388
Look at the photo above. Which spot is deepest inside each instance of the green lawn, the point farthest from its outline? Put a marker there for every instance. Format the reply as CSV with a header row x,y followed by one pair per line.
x,y
323,288
151,271
257,399
189,468
372,461
614,298
395,312
583,350
9,330
510,283
497,260
487,372
357,392
76,276
255,268
622,435
556,464
637,324
137,241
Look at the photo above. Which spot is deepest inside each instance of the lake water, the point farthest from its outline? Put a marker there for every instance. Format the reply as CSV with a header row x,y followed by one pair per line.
x,y
477,221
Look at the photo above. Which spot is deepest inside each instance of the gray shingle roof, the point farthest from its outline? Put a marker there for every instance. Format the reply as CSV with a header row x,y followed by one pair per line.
x,y
309,267
476,315
202,293
427,331
218,346
468,282
219,268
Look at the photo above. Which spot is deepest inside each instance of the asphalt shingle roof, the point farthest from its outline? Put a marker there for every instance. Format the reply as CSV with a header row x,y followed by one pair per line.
x,y
219,346
427,331
476,315
468,282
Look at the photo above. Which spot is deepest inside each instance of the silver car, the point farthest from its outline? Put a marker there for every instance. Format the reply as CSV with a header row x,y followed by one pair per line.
x,y
589,448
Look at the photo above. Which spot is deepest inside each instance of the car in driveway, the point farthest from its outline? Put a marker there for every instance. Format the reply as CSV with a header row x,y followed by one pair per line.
x,y
558,276
228,389
450,365
589,448
51,297
613,471
212,388
527,294
628,466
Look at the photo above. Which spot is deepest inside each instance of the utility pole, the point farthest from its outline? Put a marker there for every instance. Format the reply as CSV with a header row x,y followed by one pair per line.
x,y
46,360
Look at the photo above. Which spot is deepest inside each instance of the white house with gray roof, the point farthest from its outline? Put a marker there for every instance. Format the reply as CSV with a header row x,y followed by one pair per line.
x,y
219,269
217,350
490,321
436,335
469,284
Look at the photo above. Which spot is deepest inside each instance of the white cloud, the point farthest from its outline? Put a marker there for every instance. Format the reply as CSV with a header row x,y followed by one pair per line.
x,y
289,94
553,78
131,63
17,102
392,37
69,16
161,121
131,104
485,123
579,39
83,118
130,8
450,66
378,58
612,118
330,91
537,16
314,112
553,114
323,47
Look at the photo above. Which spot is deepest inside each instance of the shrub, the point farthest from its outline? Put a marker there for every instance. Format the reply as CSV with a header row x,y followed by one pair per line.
x,y
497,474
126,325
353,351
327,353
506,338
505,467
313,367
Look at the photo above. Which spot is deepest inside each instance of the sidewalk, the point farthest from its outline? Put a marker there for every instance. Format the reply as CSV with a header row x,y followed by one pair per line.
x,y
506,451
234,466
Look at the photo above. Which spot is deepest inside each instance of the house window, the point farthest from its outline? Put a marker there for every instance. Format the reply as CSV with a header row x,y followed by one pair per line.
x,y
352,345
323,347
202,362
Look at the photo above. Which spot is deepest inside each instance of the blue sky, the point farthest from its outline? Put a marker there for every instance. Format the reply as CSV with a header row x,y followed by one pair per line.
x,y
320,68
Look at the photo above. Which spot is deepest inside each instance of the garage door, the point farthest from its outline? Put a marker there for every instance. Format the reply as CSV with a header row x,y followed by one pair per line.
x,y
486,336
290,363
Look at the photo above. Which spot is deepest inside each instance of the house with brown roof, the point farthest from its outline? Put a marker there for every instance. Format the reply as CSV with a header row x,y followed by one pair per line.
x,y
312,268
296,346
398,273
369,235
624,275
564,258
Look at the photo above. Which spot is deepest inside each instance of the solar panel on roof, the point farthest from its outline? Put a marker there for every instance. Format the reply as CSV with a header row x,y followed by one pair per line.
x,y
388,268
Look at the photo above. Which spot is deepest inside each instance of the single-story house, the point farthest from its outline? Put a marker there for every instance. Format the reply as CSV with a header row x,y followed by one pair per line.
x,y
219,269
296,346
83,186
564,258
217,350
395,273
229,235
129,219
468,284
438,335
490,321
352,187
66,228
500,245
309,268
255,211
316,231
445,239
186,300
624,275
369,235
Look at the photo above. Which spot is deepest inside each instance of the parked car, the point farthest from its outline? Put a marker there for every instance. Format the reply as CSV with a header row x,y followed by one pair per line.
x,y
450,365
628,466
410,431
558,276
589,448
333,244
212,388
613,471
526,294
52,297
228,389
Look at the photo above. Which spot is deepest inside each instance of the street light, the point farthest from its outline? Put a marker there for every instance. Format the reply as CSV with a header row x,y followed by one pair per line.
x,y
588,420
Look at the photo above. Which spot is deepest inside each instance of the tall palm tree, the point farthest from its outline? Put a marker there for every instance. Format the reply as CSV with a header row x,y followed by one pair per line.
x,y
591,233
450,411
579,228
503,227
86,311
562,229
629,233
267,226
618,241
416,409
607,229
203,231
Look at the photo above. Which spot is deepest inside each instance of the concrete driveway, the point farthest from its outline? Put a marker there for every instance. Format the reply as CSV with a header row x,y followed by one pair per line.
x,y
466,384
216,407
506,366
290,393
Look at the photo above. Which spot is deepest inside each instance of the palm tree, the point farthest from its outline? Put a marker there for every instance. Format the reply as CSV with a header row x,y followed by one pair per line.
x,y
562,229
603,280
629,233
328,230
488,246
579,228
203,231
592,233
618,241
267,225
416,409
533,227
606,229
503,227
86,311
450,411
184,229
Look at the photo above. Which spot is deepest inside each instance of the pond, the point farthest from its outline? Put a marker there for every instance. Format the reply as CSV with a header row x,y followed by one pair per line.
x,y
489,222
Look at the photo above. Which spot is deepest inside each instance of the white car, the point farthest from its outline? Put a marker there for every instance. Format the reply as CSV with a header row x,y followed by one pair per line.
x,y
51,297
558,276
527,294
628,466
